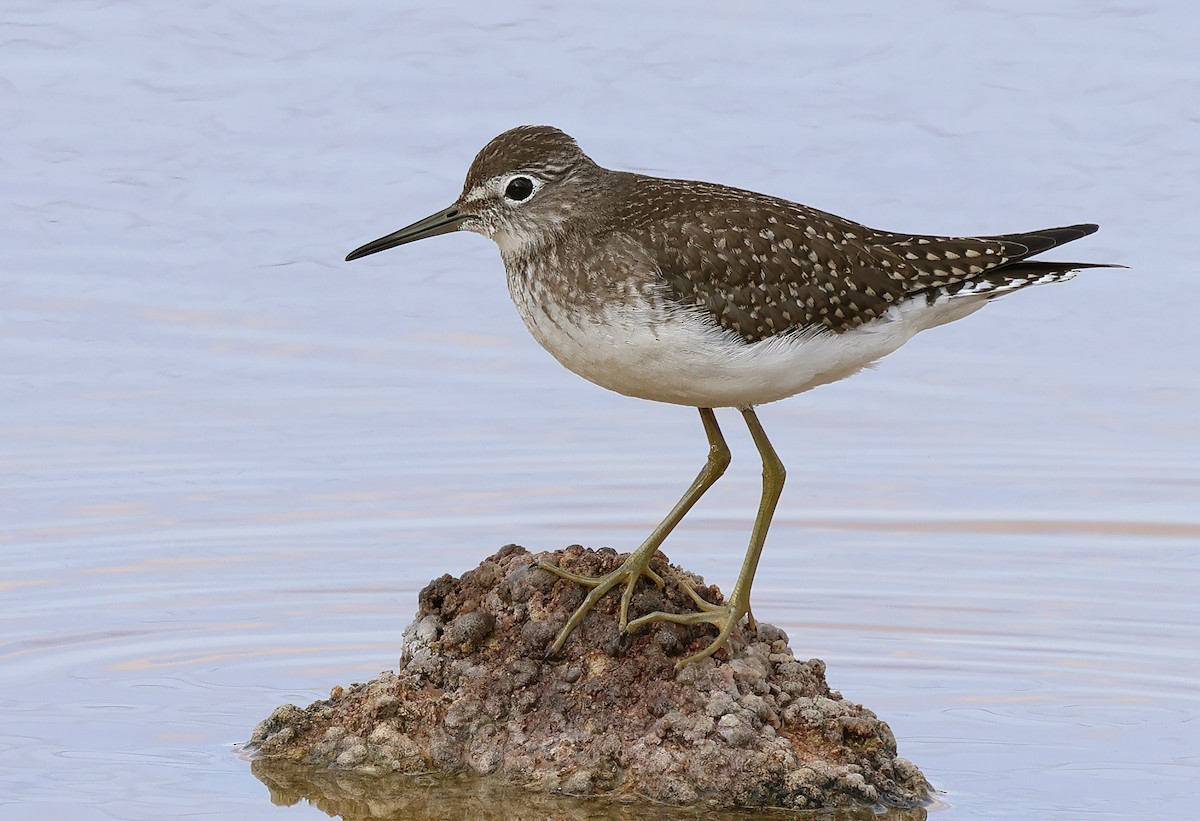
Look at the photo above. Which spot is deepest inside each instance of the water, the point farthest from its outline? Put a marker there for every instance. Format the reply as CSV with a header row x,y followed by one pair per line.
x,y
230,460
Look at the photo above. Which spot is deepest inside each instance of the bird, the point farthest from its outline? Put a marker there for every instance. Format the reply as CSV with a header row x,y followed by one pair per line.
x,y
704,295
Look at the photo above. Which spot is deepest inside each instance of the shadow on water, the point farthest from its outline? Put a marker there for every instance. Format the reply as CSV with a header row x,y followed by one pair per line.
x,y
434,797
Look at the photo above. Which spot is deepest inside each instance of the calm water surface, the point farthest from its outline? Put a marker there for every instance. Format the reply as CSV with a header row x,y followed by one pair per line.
x,y
229,461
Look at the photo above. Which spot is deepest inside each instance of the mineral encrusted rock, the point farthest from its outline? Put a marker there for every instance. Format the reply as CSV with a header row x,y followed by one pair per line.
x,y
751,727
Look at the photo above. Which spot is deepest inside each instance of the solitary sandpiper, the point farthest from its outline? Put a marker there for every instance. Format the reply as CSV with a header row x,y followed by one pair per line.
x,y
703,295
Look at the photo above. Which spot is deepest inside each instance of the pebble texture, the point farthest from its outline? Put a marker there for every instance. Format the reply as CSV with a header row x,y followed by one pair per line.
x,y
751,727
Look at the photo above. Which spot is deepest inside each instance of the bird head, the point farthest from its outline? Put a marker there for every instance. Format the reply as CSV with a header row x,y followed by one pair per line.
x,y
521,191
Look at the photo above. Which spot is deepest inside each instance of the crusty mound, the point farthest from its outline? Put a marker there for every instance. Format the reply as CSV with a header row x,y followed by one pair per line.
x,y
750,727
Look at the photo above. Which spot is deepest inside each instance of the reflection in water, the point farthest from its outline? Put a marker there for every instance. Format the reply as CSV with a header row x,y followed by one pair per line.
x,y
357,797
228,462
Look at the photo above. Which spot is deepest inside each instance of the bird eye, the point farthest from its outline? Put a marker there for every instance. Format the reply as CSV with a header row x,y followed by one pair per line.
x,y
519,188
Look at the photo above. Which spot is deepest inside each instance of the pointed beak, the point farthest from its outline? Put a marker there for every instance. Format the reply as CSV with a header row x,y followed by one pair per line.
x,y
443,222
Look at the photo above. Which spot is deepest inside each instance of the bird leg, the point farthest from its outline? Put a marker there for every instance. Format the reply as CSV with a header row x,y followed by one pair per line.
x,y
638,562
726,615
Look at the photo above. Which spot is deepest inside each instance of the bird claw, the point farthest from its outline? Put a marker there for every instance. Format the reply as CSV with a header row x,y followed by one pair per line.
x,y
724,616
632,569
705,606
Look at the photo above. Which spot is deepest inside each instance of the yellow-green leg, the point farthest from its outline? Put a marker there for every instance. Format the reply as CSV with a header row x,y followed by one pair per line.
x,y
638,562
725,616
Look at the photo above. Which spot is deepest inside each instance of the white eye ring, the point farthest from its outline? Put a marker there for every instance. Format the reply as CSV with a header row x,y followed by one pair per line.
x,y
519,188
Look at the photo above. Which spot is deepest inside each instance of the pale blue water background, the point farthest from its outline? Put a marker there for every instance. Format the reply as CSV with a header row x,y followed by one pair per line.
x,y
228,460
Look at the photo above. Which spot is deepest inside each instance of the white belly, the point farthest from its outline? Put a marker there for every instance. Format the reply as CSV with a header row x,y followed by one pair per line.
x,y
686,359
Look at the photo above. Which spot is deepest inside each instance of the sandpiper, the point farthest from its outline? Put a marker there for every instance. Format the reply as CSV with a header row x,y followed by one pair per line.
x,y
709,296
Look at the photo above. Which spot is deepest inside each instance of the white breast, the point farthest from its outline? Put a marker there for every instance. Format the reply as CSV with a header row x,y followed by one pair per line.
x,y
685,358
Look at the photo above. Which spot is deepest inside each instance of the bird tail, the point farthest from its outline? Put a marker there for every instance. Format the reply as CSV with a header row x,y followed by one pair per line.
x,y
1022,274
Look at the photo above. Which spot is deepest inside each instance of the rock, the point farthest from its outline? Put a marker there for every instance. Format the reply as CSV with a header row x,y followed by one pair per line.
x,y
750,727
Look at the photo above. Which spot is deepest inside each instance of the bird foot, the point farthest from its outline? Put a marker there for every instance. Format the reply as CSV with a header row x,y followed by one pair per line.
x,y
632,569
724,616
